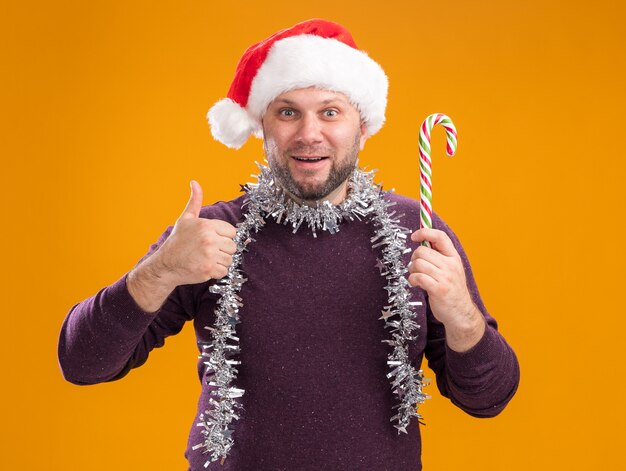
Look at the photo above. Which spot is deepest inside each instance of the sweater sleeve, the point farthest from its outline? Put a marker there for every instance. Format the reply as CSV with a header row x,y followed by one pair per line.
x,y
482,380
103,337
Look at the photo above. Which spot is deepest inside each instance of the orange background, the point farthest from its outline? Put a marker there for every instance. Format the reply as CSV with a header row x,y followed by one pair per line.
x,y
103,126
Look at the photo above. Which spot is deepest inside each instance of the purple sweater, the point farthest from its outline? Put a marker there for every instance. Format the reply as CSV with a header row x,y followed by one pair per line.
x,y
313,360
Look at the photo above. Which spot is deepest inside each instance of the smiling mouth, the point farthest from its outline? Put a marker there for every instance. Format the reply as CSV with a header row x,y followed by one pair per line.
x,y
308,159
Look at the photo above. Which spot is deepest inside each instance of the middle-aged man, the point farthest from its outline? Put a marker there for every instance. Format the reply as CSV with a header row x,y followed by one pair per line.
x,y
312,297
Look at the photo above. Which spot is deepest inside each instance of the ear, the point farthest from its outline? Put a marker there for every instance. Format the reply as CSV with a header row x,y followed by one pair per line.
x,y
363,135
261,130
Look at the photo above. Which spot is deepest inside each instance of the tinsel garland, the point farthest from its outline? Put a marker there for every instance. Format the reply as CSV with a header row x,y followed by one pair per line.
x,y
267,199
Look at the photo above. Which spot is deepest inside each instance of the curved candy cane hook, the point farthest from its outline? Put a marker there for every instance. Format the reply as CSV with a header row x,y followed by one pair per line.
x,y
426,185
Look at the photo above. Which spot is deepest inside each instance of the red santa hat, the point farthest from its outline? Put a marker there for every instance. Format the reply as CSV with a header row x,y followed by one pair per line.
x,y
312,53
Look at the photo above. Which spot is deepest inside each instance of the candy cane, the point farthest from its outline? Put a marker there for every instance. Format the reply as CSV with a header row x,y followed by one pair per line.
x,y
426,185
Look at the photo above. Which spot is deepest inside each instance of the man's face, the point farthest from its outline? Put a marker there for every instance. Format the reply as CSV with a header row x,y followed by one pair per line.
x,y
312,138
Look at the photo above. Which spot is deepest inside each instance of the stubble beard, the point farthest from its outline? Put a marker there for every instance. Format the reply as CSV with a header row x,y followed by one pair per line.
x,y
339,171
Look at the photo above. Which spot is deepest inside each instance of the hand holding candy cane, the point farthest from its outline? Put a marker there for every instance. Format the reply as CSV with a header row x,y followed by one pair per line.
x,y
438,269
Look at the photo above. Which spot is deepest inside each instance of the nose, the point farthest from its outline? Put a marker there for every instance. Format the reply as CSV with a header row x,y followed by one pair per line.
x,y
310,130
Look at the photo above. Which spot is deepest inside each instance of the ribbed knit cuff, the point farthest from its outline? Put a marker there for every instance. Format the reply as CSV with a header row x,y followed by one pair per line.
x,y
477,357
122,308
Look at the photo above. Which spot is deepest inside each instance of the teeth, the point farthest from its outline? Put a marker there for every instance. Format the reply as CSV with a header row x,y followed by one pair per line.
x,y
307,160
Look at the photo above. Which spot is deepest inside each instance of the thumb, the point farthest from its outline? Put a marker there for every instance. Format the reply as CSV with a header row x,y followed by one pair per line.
x,y
192,210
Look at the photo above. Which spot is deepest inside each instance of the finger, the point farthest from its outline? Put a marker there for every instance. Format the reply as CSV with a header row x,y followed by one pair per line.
x,y
427,268
228,246
430,255
439,240
225,229
224,259
192,210
423,281
419,235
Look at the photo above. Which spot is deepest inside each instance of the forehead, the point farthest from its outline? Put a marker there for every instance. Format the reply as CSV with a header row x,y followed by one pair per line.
x,y
310,96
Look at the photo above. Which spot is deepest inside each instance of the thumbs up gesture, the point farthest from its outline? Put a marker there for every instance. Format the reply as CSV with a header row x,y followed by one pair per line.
x,y
198,249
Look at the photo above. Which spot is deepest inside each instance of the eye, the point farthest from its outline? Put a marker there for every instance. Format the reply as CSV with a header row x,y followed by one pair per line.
x,y
330,113
287,112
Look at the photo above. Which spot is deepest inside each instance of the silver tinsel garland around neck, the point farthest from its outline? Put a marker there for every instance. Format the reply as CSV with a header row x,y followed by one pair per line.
x,y
266,199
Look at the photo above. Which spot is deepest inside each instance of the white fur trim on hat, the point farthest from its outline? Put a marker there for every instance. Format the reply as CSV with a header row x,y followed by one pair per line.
x,y
307,60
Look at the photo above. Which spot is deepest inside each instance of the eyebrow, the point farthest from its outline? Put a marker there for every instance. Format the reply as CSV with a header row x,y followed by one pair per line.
x,y
293,103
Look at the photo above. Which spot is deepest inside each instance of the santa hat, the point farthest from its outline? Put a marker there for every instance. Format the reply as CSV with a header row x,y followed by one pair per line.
x,y
312,53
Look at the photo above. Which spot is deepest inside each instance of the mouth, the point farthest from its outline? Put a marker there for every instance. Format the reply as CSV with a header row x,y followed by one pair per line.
x,y
306,158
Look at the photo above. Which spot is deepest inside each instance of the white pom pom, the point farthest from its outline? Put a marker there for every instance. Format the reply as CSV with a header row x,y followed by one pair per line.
x,y
230,123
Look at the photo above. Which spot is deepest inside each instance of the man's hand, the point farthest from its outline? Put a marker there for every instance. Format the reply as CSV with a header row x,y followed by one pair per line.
x,y
196,250
439,271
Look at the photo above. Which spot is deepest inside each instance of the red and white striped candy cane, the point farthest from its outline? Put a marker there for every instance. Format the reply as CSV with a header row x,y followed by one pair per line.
x,y
426,185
